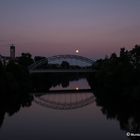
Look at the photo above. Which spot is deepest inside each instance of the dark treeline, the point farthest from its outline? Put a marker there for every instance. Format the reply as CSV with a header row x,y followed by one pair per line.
x,y
11,100
122,70
13,76
120,103
18,87
116,86
14,86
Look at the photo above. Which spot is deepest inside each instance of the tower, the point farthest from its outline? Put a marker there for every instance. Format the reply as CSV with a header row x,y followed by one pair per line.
x,y
12,52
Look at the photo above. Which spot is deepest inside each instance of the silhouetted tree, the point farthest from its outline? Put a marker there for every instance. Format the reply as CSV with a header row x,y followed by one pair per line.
x,y
135,56
25,59
122,52
121,70
65,64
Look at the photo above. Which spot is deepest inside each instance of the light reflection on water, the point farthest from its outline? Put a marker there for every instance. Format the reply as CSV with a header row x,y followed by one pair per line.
x,y
60,120
80,84
71,97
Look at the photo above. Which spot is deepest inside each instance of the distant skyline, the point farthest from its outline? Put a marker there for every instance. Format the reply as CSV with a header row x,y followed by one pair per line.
x,y
49,27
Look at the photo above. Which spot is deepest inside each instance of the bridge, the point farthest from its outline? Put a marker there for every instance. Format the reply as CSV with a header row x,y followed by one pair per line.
x,y
65,99
47,65
62,71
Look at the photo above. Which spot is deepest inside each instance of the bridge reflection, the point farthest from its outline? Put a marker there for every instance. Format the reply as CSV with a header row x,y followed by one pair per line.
x,y
65,99
66,91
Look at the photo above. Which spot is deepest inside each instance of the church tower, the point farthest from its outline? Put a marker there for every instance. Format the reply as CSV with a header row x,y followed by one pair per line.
x,y
12,52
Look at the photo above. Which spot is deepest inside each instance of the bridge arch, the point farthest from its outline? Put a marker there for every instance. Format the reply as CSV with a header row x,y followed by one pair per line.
x,y
67,102
59,57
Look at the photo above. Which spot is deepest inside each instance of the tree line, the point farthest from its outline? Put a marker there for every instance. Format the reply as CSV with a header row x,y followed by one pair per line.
x,y
120,70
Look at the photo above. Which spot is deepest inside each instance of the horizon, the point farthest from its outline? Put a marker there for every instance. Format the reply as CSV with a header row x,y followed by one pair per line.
x,y
46,28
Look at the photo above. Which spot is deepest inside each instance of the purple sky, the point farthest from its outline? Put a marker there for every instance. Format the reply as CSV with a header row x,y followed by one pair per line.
x,y
50,27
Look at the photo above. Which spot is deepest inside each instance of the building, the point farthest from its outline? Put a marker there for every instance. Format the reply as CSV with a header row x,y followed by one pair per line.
x,y
6,59
12,52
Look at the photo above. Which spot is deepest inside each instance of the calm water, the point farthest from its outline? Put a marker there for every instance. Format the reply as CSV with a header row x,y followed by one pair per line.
x,y
72,114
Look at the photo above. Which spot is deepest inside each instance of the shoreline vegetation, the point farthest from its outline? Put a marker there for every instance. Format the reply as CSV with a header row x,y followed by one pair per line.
x,y
118,70
115,84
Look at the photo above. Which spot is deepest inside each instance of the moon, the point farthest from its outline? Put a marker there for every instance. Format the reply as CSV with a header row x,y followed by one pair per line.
x,y
77,51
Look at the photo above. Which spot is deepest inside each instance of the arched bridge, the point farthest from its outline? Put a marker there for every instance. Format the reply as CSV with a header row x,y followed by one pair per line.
x,y
46,65
65,100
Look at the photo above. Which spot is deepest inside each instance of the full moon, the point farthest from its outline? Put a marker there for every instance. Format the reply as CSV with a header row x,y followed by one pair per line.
x,y
77,51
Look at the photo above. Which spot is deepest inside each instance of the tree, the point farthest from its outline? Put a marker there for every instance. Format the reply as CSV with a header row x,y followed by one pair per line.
x,y
122,52
65,65
135,55
25,59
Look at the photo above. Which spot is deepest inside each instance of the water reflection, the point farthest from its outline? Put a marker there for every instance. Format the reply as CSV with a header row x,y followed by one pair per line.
x,y
65,101
10,103
63,94
117,103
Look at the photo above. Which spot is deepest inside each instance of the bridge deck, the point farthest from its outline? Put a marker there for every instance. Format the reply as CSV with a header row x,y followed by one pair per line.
x,y
62,71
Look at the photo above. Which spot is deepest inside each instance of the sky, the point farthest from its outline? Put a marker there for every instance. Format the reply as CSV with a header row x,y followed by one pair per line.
x,y
52,27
